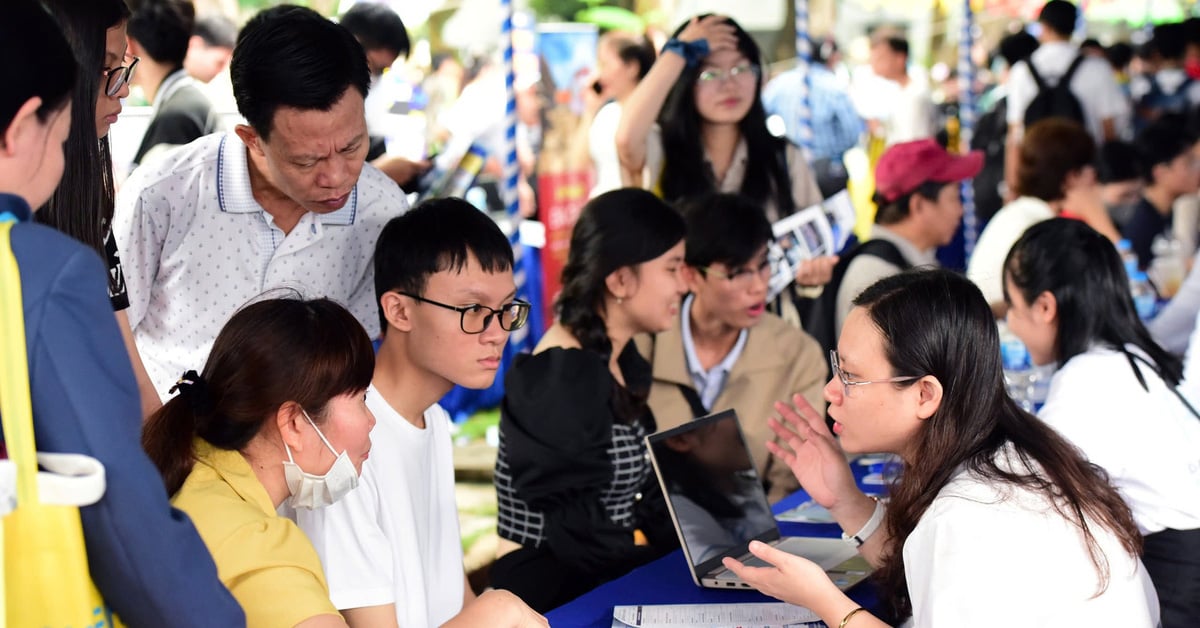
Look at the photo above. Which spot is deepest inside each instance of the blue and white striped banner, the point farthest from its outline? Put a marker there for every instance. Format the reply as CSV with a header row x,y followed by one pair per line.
x,y
522,264
967,115
803,62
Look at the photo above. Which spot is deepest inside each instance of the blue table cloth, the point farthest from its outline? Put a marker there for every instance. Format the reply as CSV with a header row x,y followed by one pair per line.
x,y
668,580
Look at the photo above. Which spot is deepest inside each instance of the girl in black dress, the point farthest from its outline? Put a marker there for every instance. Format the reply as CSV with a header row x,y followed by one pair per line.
x,y
578,502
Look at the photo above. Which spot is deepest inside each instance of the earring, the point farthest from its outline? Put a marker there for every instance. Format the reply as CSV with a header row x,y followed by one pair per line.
x,y
620,300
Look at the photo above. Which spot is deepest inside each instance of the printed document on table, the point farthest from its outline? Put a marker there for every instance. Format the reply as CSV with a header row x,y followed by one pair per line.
x,y
752,615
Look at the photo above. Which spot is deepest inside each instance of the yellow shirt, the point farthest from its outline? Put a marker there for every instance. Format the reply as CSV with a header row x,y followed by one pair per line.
x,y
265,560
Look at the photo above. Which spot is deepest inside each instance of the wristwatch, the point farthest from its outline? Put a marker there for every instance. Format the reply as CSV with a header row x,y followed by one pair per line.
x,y
868,528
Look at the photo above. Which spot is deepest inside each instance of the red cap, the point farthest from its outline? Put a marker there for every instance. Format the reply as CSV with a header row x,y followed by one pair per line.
x,y
904,167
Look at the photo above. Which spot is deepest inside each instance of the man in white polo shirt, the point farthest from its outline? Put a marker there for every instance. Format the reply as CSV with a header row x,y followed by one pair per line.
x,y
285,202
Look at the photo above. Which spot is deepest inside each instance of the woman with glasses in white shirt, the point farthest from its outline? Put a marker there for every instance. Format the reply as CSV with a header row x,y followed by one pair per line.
x,y
996,520
696,124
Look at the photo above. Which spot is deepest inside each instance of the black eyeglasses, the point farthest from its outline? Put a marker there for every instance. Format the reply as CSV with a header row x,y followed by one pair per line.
x,y
744,277
117,77
474,319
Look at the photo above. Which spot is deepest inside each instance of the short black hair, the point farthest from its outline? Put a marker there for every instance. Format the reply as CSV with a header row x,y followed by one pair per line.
x,y
377,26
439,234
162,28
1165,139
893,212
217,31
893,40
290,56
823,48
1017,47
1170,40
1119,55
634,49
723,228
29,29
1059,16
1117,161
1191,30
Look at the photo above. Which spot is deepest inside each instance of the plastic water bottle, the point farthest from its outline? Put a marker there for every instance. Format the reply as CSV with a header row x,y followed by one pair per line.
x,y
1019,375
1128,257
1145,300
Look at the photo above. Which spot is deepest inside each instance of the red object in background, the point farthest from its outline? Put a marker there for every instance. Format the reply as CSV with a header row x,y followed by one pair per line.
x,y
561,196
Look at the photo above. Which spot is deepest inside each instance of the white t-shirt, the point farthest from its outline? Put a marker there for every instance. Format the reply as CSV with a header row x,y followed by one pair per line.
x,y
395,539
911,113
602,147
986,554
986,267
196,246
1148,442
1093,84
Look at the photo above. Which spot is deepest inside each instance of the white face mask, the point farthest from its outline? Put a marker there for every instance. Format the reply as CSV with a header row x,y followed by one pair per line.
x,y
311,491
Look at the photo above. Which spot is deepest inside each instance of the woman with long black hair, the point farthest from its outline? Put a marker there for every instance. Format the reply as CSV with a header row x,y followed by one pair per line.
x,y
996,520
578,503
696,124
82,207
1116,395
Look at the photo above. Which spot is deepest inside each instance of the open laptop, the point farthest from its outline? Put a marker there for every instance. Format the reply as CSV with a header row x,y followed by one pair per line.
x,y
718,505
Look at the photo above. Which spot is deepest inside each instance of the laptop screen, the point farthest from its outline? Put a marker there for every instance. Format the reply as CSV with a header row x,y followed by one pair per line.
x,y
716,495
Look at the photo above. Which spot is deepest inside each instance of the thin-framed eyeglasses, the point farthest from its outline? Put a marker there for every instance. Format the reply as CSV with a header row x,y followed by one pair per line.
x,y
474,319
712,76
744,277
116,78
847,384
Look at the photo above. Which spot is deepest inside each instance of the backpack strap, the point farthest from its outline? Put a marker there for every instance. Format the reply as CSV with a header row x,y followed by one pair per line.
x,y
693,400
1037,78
885,250
689,394
788,206
1066,78
821,323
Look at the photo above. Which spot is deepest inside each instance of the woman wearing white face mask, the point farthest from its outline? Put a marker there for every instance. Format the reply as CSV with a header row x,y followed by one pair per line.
x,y
277,416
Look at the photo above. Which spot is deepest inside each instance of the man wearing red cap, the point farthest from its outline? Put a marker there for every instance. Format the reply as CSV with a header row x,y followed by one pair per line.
x,y
919,208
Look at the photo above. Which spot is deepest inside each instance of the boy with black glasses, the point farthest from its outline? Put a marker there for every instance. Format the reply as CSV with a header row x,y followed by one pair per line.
x,y
728,351
391,548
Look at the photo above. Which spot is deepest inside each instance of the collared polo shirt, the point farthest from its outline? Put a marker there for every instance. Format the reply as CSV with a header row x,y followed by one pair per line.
x,y
197,246
264,559
709,383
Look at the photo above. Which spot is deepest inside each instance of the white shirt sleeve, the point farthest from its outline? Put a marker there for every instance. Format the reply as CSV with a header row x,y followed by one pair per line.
x,y
140,226
1173,326
354,549
652,169
1021,90
1108,98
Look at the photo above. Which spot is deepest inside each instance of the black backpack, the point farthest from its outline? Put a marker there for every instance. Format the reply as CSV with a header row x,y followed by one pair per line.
x,y
1054,101
990,138
822,317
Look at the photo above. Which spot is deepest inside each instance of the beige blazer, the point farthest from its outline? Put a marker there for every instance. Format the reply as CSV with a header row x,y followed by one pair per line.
x,y
777,361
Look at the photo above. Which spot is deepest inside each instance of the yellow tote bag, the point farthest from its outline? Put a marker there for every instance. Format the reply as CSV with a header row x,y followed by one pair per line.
x,y
46,583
